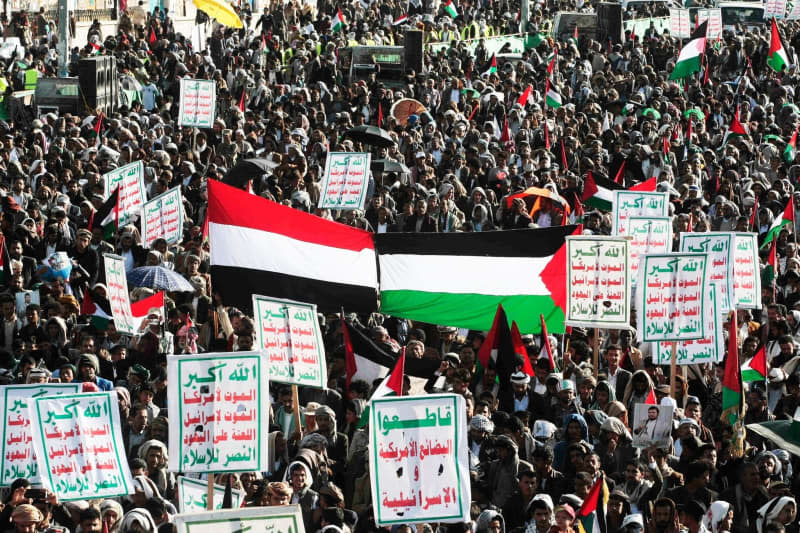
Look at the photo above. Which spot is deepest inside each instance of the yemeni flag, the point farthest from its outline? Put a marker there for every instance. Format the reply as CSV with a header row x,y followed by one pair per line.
x,y
142,308
492,66
107,217
431,277
755,368
392,385
402,19
262,247
546,351
784,219
450,9
791,149
500,351
732,395
99,312
777,58
736,129
338,21
552,96
591,517
689,59
599,192
645,186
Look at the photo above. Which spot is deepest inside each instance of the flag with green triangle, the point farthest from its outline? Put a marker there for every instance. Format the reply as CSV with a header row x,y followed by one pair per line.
x,y
492,66
790,151
732,394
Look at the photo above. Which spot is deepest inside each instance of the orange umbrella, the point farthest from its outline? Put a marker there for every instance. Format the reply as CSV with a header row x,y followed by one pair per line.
x,y
533,197
404,108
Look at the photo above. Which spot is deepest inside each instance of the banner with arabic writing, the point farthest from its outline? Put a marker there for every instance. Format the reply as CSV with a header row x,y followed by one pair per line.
x,y
198,103
118,296
277,519
598,282
649,235
746,273
163,218
670,297
709,349
719,247
19,460
629,204
193,495
219,404
130,180
78,444
419,470
344,185
288,334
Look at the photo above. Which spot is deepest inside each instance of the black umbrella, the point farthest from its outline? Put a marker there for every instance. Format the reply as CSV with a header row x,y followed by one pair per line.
x,y
246,170
388,165
372,135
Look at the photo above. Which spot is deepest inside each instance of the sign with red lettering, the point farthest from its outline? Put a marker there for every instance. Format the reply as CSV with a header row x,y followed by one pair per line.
x,y
746,274
198,103
710,349
130,180
627,204
419,465
78,444
344,185
163,218
288,334
719,247
649,235
118,296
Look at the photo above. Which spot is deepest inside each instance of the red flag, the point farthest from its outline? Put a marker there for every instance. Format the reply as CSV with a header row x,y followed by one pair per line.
x,y
349,357
205,229
651,398
153,37
575,33
705,74
754,216
263,43
564,164
690,225
505,136
633,34
474,110
546,136
689,131
788,213
578,205
620,177
589,186
241,100
380,115
523,99
551,66
546,348
519,347
665,147
772,258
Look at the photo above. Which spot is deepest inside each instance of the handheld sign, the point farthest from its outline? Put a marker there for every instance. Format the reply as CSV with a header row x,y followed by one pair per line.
x,y
746,274
649,235
710,349
278,519
719,247
118,296
193,495
629,204
130,181
345,181
163,218
198,103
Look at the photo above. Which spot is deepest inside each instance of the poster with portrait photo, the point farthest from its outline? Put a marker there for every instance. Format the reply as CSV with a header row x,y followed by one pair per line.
x,y
652,424
24,299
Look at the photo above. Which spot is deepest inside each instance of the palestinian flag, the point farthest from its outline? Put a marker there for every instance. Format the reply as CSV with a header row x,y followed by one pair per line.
x,y
619,179
547,351
500,351
755,368
337,24
790,151
99,312
646,185
450,9
771,269
402,19
591,517
525,96
142,308
651,398
492,66
152,39
736,129
107,217
261,247
552,96
732,393
689,59
786,218
753,224
777,58
392,385
599,192
459,279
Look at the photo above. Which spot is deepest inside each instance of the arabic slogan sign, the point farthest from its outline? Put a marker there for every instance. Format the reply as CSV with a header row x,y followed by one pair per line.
x,y
130,180
198,105
78,443
719,247
629,204
710,349
599,285
219,401
670,297
650,235
774,8
17,450
679,23
714,18
288,334
346,180
746,278
163,218
278,519
118,297
419,468
193,495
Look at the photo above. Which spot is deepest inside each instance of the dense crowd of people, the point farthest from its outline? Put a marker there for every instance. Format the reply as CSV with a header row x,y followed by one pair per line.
x,y
537,444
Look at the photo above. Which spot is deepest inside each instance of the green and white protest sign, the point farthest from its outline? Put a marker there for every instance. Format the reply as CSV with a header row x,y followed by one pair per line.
x,y
344,185
288,334
198,103
78,444
163,218
220,406
719,247
19,459
669,297
118,296
193,495
130,181
746,274
419,467
598,282
277,519
649,235
710,349
627,204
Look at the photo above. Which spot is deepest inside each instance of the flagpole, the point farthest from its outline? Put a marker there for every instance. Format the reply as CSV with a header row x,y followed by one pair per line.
x,y
596,355
295,393
673,368
210,496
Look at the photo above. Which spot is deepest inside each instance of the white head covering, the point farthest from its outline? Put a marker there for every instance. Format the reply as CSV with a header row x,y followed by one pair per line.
x,y
716,513
771,510
287,476
142,517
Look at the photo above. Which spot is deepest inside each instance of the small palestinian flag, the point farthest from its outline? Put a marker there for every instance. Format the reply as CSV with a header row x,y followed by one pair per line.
x,y
736,128
591,517
338,21
450,9
786,218
98,316
599,192
689,58
402,19
552,97
392,385
107,217
777,58
732,394
646,186
492,66
790,151
755,368
525,96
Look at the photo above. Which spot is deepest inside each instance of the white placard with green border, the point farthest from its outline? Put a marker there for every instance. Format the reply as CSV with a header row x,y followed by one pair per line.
x,y
198,103
746,273
276,519
710,349
627,204
670,295
193,495
19,459
344,185
118,296
719,247
649,235
130,180
219,407
79,448
163,218
598,282
419,467
289,335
